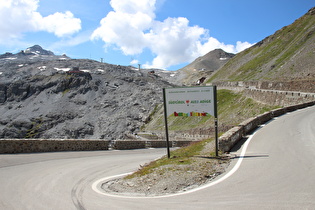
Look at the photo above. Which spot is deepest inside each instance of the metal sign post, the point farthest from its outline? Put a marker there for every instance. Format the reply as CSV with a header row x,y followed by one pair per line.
x,y
215,121
166,126
188,102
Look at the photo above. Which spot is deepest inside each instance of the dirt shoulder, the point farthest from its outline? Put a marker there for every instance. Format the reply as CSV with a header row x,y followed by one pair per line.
x,y
172,178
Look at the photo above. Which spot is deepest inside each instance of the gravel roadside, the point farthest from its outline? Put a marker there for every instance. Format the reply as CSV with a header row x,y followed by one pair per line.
x,y
173,178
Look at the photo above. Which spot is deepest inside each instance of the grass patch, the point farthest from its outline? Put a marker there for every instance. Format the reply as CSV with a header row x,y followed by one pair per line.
x,y
32,132
65,92
233,108
178,157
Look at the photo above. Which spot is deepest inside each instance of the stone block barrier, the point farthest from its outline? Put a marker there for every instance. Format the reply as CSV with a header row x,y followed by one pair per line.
x,y
128,144
51,145
274,93
156,144
235,134
278,112
247,126
11,146
307,86
230,138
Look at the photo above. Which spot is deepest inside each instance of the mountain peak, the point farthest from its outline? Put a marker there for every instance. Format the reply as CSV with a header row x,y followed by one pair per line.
x,y
211,61
204,66
38,50
35,52
218,54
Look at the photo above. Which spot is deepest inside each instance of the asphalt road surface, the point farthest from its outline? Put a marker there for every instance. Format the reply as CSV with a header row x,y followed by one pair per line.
x,y
273,169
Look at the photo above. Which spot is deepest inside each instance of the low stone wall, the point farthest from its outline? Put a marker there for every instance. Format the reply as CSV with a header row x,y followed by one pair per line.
x,y
278,97
51,145
10,146
274,93
128,144
156,144
230,138
234,135
307,86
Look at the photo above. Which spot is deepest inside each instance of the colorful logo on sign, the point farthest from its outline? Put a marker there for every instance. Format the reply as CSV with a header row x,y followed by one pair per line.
x,y
191,114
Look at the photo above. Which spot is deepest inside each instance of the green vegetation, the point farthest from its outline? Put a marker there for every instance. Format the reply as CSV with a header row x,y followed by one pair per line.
x,y
233,108
265,60
178,157
65,92
32,132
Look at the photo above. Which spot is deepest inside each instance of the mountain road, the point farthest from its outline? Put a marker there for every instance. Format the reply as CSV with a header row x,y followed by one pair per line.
x,y
273,169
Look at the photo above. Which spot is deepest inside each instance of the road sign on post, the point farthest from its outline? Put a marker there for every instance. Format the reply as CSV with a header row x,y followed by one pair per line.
x,y
190,102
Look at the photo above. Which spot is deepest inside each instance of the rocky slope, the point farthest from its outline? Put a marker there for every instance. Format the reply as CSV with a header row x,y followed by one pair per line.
x,y
203,66
47,96
284,56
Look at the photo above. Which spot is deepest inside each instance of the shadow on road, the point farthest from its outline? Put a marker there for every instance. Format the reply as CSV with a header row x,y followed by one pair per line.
x,y
228,157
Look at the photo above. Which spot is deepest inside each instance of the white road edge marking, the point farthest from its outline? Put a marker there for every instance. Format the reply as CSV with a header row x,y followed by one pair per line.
x,y
230,173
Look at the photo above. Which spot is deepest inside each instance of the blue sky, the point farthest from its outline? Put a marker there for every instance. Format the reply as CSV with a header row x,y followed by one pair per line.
x,y
166,34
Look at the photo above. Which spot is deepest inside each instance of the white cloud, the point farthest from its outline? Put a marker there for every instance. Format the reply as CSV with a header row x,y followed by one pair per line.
x,y
125,25
20,16
134,61
131,27
240,46
61,24
134,6
173,41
